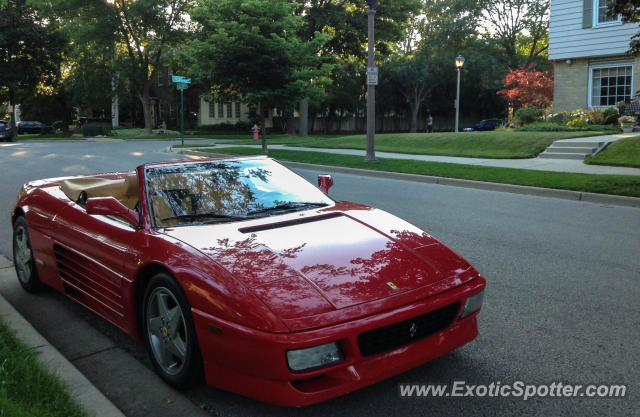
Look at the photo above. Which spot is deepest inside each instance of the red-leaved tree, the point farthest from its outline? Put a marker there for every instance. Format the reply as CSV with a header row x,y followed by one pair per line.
x,y
527,86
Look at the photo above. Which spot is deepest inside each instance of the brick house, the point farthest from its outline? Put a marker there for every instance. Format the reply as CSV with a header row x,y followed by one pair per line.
x,y
588,49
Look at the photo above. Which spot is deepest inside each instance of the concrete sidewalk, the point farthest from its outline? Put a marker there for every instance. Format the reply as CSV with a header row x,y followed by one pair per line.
x,y
537,164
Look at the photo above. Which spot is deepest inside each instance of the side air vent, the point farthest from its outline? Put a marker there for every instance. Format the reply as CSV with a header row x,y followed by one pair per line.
x,y
83,281
278,225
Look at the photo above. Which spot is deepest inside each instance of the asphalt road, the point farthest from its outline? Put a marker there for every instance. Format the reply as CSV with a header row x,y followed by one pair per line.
x,y
561,302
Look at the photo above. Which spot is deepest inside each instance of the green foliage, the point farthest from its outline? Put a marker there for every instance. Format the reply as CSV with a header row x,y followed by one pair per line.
x,y
560,118
240,127
555,127
528,115
26,388
250,50
605,116
96,129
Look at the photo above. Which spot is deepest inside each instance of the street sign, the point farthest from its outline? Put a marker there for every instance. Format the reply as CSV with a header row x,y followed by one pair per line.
x,y
372,75
182,86
180,79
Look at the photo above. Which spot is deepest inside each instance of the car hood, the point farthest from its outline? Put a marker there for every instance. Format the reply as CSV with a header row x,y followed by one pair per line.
x,y
318,261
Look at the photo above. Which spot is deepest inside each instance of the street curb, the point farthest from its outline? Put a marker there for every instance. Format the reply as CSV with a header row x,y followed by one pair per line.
x,y
80,388
609,199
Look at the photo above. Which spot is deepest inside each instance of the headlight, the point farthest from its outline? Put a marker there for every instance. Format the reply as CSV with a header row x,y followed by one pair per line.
x,y
314,357
472,304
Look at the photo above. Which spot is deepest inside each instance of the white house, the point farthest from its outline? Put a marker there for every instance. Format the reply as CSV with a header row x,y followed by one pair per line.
x,y
588,50
214,113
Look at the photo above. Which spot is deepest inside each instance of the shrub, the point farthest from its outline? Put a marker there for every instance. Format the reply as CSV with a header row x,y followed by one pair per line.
x,y
560,118
544,127
611,115
627,119
554,127
528,115
227,127
95,129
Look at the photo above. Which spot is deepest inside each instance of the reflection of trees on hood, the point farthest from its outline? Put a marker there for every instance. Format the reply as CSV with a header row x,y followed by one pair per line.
x,y
254,261
395,260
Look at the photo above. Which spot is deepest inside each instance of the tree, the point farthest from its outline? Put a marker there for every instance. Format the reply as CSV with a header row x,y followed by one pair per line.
x,y
629,10
411,76
141,31
508,19
30,50
528,87
250,50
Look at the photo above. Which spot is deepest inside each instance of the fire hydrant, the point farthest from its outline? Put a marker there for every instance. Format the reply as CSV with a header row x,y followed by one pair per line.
x,y
256,132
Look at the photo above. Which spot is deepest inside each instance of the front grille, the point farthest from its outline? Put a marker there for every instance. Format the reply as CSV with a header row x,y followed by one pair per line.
x,y
405,332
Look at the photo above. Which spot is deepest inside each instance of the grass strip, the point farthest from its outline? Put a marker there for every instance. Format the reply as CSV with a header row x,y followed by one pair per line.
x,y
626,185
26,388
624,153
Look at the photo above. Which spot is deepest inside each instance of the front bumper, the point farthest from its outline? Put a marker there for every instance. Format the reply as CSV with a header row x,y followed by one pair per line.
x,y
252,363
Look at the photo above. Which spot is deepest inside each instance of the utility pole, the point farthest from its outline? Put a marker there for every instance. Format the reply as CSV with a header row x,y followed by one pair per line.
x,y
372,81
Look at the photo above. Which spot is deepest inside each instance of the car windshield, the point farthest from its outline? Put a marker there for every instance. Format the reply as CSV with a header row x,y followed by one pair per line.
x,y
221,191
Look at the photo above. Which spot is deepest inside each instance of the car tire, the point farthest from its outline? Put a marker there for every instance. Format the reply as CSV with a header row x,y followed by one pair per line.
x,y
23,260
169,333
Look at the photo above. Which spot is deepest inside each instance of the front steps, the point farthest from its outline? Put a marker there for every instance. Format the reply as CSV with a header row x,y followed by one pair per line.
x,y
571,150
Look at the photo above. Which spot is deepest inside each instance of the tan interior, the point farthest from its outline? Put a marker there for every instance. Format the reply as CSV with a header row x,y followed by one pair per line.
x,y
125,190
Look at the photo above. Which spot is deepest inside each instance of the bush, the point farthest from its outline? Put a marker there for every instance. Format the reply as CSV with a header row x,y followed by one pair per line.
x,y
611,115
603,117
96,129
554,127
528,115
544,127
241,127
560,118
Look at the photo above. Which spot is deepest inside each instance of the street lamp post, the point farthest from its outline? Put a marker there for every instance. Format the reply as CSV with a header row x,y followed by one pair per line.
x,y
372,80
459,63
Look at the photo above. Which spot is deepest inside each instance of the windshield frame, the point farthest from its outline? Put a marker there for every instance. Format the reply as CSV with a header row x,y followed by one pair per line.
x,y
148,203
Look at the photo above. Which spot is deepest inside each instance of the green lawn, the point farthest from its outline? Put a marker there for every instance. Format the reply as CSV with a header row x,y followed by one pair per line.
x,y
624,152
495,144
26,388
48,136
604,184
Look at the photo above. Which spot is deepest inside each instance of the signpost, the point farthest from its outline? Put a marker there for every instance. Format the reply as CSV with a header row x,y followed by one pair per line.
x,y
182,83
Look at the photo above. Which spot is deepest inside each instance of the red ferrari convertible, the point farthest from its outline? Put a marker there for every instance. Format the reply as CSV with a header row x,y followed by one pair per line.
x,y
241,271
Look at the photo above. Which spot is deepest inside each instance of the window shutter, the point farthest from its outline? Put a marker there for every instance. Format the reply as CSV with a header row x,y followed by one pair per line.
x,y
587,14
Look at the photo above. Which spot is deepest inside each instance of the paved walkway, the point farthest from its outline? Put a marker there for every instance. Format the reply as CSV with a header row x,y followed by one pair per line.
x,y
538,164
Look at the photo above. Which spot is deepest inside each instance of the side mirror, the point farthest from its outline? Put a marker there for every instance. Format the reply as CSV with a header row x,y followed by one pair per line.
x,y
109,206
325,182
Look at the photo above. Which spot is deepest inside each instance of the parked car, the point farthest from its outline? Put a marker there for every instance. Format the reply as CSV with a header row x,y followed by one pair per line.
x,y
240,270
5,131
487,124
33,127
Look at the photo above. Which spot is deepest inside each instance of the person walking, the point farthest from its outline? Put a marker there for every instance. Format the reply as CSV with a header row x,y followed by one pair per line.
x,y
429,124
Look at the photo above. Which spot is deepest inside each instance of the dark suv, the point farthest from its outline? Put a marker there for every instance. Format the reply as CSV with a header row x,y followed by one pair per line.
x,y
33,127
488,124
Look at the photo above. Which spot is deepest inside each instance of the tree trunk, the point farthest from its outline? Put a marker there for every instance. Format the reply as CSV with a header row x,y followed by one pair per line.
x,y
146,109
12,102
264,130
304,118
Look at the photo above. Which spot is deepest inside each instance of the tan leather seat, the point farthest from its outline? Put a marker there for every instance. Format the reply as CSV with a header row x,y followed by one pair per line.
x,y
125,189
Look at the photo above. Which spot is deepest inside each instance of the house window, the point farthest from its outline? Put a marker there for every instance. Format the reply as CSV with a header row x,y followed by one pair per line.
x,y
212,110
229,109
611,85
600,16
220,111
237,109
